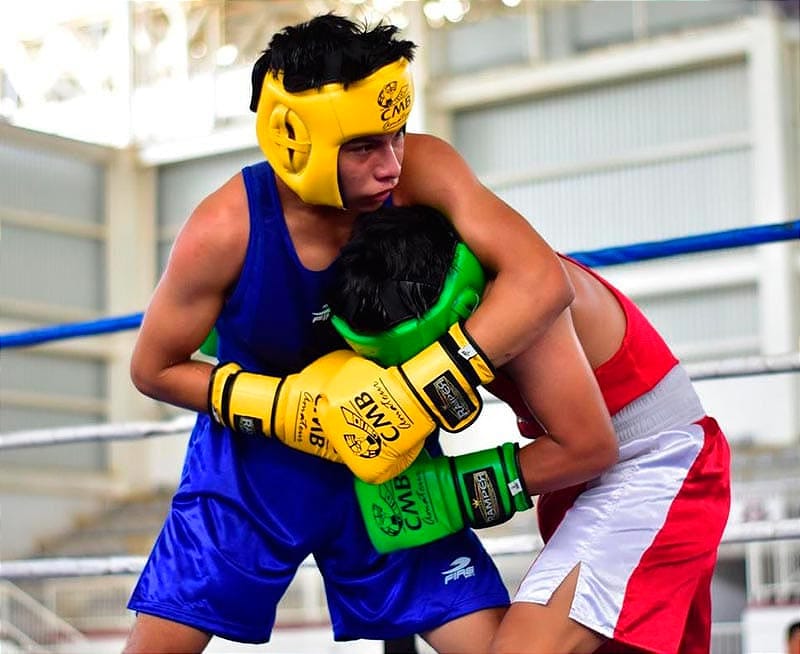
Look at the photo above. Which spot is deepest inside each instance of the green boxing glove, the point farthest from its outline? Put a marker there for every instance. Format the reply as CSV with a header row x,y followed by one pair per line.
x,y
436,497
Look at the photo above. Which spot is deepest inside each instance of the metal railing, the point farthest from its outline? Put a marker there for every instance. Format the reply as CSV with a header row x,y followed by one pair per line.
x,y
29,624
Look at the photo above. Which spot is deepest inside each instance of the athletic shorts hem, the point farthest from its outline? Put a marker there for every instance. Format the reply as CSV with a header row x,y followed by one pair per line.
x,y
228,631
418,627
591,623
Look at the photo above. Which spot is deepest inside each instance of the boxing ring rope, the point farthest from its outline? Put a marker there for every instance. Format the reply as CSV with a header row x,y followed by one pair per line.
x,y
733,238
51,568
24,438
110,432
773,530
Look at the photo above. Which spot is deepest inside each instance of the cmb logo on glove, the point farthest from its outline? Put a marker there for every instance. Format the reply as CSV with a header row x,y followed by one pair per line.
x,y
404,506
374,421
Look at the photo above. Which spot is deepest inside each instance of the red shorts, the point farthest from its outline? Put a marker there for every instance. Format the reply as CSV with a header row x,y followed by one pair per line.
x,y
645,536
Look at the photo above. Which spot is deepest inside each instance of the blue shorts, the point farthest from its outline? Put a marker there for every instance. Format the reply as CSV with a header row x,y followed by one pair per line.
x,y
249,511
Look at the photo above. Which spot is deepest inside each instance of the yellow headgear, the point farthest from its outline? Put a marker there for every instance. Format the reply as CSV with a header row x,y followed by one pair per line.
x,y
301,133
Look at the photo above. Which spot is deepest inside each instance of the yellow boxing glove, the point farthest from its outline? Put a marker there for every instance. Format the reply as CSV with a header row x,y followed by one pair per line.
x,y
380,417
375,422
283,407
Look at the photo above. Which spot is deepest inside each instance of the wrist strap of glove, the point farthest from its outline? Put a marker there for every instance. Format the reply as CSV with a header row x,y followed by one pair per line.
x,y
445,376
491,486
219,386
242,401
467,355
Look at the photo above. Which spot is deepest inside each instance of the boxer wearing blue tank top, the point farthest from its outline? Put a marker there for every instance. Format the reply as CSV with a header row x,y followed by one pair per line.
x,y
249,510
255,260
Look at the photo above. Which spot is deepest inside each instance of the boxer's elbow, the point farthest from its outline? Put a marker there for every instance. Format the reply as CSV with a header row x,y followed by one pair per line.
x,y
603,453
143,379
557,289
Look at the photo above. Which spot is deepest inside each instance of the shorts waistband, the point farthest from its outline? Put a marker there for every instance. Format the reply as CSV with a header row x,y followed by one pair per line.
x,y
671,403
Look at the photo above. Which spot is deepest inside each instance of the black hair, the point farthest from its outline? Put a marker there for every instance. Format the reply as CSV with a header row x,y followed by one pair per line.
x,y
393,268
326,49
793,628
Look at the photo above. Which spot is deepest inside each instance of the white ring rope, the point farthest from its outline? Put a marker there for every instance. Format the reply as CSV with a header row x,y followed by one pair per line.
x,y
44,568
744,366
736,367
762,531
111,431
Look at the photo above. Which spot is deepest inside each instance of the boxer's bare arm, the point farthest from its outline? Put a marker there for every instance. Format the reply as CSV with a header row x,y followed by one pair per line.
x,y
531,288
205,261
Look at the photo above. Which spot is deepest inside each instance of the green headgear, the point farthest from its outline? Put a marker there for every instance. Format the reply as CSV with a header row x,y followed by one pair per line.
x,y
460,294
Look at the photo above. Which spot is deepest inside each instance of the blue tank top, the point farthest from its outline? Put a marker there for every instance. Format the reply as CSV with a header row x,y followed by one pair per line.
x,y
276,320
273,323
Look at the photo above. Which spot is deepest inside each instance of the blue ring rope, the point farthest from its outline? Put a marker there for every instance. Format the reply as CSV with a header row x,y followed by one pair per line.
x,y
71,330
733,238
